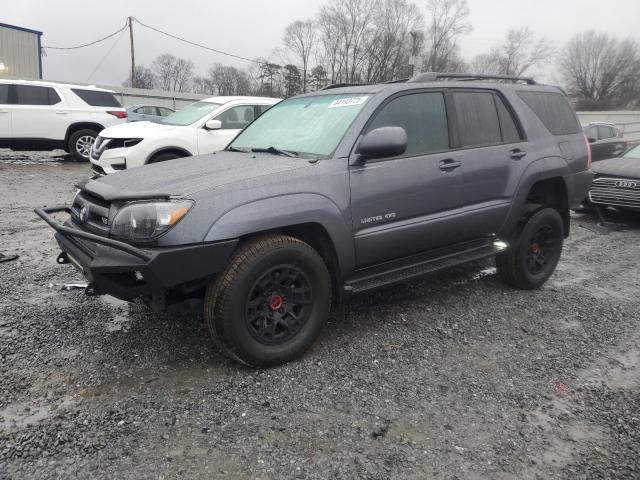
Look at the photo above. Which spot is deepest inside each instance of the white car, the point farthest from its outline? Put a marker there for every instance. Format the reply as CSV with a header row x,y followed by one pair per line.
x,y
38,115
202,127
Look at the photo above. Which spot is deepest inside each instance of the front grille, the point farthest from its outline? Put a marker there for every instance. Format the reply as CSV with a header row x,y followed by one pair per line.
x,y
96,215
619,192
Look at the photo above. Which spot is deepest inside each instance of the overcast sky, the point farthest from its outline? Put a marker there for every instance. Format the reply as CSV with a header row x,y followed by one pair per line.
x,y
253,28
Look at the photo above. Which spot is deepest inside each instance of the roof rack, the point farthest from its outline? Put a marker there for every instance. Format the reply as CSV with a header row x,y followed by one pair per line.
x,y
340,85
467,77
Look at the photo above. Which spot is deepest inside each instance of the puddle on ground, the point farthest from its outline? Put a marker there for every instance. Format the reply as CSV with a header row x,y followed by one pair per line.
x,y
120,310
17,416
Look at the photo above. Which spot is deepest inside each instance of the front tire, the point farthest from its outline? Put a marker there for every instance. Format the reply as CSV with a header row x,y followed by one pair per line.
x,y
533,257
163,157
80,143
270,304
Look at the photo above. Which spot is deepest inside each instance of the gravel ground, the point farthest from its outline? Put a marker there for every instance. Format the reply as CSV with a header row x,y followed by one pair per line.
x,y
455,376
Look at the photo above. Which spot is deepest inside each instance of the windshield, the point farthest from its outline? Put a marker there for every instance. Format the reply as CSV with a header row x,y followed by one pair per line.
x,y
190,114
634,152
307,125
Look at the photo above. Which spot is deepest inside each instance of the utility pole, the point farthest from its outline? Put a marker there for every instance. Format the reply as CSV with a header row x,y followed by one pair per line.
x,y
133,57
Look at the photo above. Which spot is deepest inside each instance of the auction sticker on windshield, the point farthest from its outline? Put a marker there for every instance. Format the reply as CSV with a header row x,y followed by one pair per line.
x,y
349,101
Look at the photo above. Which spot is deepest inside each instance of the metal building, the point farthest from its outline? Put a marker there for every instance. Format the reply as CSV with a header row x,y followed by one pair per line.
x,y
20,52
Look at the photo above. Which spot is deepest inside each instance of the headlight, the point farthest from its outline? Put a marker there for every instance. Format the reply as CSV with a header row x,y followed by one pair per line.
x,y
147,220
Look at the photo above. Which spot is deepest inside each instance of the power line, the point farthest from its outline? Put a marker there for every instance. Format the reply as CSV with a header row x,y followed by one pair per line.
x,y
199,44
106,55
91,43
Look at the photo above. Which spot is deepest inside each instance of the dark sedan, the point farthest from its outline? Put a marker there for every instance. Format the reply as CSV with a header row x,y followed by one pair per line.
x,y
617,181
605,140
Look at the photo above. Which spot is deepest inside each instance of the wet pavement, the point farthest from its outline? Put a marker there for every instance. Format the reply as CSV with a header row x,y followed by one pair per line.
x,y
454,376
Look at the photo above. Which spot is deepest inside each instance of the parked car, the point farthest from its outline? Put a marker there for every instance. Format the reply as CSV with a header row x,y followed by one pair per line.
x,y
147,113
617,181
339,191
37,115
605,140
202,127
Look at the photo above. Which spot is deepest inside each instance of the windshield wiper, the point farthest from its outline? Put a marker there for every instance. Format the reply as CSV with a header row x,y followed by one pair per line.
x,y
276,151
236,149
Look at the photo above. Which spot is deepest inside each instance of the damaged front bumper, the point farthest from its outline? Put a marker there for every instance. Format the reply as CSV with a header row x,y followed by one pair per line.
x,y
125,271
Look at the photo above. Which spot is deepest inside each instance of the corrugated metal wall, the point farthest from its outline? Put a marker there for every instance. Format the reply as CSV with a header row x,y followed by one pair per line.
x,y
19,53
133,96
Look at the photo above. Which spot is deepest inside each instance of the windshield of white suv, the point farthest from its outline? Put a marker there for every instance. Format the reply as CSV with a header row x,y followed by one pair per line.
x,y
302,126
190,114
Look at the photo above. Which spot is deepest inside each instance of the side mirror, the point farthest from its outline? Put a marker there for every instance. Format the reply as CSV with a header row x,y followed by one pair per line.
x,y
383,142
591,140
213,125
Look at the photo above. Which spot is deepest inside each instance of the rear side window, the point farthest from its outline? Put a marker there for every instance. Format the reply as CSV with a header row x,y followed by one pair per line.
x,y
96,98
33,95
553,110
477,118
4,94
423,116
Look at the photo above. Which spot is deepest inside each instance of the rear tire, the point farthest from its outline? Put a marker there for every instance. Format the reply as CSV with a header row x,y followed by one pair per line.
x,y
534,255
80,142
270,304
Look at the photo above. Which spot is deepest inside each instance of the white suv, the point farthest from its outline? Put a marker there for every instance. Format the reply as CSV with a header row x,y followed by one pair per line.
x,y
36,115
202,127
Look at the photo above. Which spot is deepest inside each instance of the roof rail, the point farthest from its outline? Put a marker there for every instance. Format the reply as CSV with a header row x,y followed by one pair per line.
x,y
340,85
466,77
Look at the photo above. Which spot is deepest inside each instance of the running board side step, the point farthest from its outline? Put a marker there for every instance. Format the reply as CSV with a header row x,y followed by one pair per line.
x,y
420,266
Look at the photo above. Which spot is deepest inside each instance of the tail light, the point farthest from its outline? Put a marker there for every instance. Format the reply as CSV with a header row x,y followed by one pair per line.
x,y
118,113
586,140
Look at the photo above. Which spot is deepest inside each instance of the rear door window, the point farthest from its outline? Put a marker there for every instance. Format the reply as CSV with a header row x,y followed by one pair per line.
x,y
35,95
510,132
553,110
604,132
237,117
96,98
163,112
4,94
423,116
477,119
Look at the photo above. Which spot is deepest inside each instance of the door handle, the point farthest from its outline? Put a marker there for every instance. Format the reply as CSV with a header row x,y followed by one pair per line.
x,y
517,154
4,111
62,113
449,164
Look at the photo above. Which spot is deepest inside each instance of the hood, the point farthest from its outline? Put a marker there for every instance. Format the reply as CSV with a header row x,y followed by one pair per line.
x,y
185,176
137,130
618,167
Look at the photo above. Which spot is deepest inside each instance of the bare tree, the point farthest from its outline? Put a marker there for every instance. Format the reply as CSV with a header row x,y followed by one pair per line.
x,y
300,38
173,73
521,51
203,85
602,71
350,23
447,21
230,80
145,78
394,39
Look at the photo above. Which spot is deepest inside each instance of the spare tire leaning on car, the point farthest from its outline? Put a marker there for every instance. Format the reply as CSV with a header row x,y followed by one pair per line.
x,y
80,142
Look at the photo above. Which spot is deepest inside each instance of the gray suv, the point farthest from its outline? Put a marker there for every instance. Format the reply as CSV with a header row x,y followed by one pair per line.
x,y
340,191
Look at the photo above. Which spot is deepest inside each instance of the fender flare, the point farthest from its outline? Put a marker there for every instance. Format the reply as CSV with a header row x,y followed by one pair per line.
x,y
286,211
542,169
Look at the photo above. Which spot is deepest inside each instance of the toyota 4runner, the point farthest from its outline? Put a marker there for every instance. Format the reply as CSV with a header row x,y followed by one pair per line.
x,y
340,191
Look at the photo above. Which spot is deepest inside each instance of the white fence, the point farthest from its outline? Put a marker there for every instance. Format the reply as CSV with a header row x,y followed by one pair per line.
x,y
627,121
